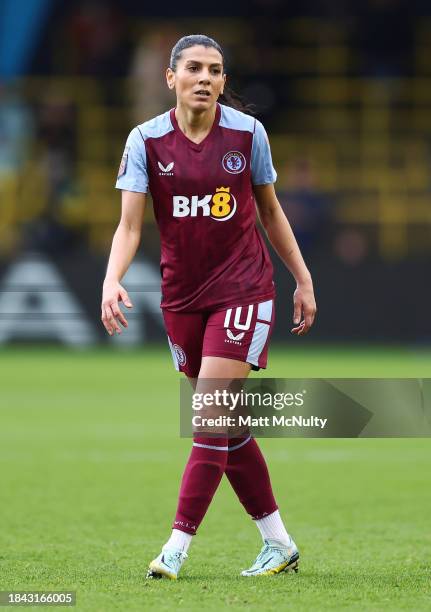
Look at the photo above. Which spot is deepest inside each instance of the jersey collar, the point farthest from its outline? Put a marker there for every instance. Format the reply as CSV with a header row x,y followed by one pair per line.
x,y
191,144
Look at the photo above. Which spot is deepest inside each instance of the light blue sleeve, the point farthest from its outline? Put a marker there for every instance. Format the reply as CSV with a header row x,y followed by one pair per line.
x,y
262,170
132,174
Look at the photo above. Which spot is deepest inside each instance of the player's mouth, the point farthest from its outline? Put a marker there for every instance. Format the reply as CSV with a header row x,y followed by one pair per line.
x,y
202,93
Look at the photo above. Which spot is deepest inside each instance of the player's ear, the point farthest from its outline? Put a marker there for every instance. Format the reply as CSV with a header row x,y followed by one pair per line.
x,y
224,84
170,78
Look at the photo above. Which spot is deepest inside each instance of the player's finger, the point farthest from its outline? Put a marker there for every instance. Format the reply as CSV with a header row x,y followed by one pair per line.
x,y
303,331
296,330
307,324
308,321
105,321
125,299
109,321
112,320
310,315
119,315
296,311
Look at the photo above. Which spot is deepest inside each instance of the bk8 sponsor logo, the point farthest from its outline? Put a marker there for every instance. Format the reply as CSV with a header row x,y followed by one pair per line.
x,y
220,206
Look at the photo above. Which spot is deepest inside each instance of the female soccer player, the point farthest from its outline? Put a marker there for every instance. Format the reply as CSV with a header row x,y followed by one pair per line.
x,y
207,165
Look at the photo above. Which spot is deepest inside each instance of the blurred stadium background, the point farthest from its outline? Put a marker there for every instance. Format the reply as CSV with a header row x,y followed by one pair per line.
x,y
344,90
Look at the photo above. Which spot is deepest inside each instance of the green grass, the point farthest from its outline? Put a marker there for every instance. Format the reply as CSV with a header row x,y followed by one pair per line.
x,y
90,462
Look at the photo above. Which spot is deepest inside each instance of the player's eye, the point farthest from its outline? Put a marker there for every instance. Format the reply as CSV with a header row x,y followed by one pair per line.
x,y
216,70
193,68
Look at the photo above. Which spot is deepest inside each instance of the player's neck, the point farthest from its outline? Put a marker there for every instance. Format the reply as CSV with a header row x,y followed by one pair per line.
x,y
196,126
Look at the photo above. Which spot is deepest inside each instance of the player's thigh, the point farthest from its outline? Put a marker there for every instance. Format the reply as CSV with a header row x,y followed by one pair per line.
x,y
223,368
239,334
185,333
219,374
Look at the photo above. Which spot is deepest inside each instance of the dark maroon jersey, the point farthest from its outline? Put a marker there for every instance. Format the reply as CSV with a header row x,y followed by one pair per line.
x,y
212,254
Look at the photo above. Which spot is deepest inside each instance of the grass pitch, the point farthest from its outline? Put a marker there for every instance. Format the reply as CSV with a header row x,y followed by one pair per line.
x,y
90,462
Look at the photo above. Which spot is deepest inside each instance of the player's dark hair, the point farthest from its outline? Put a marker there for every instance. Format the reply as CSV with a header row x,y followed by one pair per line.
x,y
228,97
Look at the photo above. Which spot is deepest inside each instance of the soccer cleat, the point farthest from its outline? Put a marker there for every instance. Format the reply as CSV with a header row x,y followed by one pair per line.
x,y
167,564
273,559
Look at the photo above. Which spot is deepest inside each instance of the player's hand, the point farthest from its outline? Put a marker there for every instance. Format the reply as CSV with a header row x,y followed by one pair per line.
x,y
304,306
113,293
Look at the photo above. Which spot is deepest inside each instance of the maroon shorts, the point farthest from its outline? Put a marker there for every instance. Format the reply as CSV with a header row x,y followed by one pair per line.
x,y
240,333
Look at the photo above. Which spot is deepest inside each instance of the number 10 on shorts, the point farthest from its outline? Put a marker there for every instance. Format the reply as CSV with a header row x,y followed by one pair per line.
x,y
237,317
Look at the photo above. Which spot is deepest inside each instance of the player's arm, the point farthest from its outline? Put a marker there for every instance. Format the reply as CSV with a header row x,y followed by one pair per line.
x,y
124,246
281,237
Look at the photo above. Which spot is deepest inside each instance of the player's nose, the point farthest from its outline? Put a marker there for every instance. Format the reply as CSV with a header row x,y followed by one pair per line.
x,y
205,79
